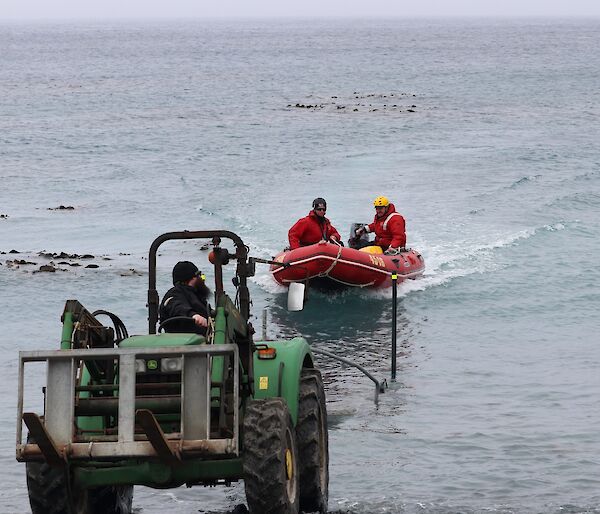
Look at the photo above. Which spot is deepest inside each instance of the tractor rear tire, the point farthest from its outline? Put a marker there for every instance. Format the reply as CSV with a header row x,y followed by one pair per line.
x,y
270,458
49,494
313,443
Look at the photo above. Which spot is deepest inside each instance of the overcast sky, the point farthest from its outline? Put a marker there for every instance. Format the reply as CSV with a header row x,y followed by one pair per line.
x,y
113,9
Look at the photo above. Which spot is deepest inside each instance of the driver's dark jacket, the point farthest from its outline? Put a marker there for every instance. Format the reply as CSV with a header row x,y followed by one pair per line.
x,y
183,300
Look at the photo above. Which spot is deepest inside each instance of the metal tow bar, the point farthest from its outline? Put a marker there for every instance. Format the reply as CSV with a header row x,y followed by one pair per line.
x,y
379,386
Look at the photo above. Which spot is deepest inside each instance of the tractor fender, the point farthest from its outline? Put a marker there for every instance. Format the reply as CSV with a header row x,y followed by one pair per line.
x,y
280,376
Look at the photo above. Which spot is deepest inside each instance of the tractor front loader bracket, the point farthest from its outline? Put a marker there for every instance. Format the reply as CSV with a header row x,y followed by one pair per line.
x,y
54,433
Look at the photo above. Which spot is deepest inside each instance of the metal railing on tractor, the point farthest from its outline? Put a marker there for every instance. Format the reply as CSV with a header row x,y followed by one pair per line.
x,y
244,269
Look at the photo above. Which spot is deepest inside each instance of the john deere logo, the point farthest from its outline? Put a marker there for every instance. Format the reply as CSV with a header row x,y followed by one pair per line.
x,y
152,364
263,383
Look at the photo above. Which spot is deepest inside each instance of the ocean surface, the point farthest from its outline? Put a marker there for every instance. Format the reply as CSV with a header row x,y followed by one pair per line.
x,y
484,133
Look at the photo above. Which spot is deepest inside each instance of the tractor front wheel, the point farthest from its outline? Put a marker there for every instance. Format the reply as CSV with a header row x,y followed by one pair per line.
x,y
49,494
270,458
313,443
47,489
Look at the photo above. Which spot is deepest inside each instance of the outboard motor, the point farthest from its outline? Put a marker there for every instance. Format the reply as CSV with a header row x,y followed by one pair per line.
x,y
360,241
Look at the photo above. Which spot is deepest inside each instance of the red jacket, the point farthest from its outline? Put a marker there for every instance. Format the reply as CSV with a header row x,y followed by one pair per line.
x,y
310,230
389,229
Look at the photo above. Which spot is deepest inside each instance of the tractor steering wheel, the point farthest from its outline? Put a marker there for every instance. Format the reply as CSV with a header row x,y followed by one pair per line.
x,y
175,318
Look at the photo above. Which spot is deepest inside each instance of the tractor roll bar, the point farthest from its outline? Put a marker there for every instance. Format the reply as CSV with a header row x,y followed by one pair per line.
x,y
244,268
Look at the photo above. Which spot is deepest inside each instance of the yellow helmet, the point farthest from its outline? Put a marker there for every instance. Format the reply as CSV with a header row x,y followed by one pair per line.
x,y
381,201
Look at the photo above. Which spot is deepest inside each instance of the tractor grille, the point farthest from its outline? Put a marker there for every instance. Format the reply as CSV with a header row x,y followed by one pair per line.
x,y
158,384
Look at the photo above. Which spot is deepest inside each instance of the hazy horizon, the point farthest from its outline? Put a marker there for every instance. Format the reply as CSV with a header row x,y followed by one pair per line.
x,y
40,10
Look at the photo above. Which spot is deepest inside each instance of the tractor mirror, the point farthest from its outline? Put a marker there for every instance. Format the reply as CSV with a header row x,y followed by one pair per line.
x,y
296,296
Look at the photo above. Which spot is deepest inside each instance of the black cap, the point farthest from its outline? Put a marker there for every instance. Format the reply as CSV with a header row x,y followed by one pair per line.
x,y
319,201
184,271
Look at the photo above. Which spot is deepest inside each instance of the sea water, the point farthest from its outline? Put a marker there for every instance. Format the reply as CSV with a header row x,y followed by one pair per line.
x,y
484,133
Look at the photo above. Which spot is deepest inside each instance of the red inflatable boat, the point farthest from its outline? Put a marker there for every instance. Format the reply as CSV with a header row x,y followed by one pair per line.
x,y
328,264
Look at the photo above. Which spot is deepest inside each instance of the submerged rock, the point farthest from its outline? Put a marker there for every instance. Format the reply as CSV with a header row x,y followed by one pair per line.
x,y
65,255
65,263
131,273
62,208
20,262
378,102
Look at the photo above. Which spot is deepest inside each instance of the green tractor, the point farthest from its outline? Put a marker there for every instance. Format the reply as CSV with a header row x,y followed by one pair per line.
x,y
167,409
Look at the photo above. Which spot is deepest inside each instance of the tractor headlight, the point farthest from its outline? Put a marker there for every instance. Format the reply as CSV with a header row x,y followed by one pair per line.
x,y
140,366
170,365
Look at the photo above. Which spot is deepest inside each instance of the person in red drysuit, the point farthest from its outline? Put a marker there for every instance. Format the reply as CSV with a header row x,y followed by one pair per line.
x,y
388,225
313,228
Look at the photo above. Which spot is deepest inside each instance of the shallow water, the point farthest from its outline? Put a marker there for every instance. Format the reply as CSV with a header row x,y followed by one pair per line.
x,y
150,128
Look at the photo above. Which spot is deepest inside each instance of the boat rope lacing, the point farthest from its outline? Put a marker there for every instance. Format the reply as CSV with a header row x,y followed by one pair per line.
x,y
350,284
335,261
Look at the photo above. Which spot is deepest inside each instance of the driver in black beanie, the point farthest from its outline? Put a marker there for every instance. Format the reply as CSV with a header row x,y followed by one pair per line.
x,y
188,297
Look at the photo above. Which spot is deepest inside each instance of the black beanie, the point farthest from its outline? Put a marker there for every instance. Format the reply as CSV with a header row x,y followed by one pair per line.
x,y
184,271
319,201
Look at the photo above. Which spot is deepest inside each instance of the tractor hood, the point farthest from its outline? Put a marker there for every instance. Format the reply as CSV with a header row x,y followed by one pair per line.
x,y
149,341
